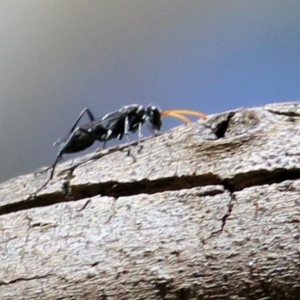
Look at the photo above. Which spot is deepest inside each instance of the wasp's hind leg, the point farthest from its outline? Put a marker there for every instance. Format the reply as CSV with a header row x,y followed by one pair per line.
x,y
91,117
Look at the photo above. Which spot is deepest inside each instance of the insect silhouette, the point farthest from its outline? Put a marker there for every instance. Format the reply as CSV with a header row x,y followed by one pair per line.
x,y
114,125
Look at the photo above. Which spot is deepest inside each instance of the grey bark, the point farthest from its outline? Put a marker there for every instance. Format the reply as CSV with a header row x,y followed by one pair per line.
x,y
209,210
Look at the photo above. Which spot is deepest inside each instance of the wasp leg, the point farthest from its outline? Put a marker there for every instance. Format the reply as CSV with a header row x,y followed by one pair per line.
x,y
126,134
126,130
63,151
90,115
58,158
140,136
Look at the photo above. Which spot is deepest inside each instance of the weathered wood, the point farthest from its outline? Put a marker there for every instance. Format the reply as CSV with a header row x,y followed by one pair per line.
x,y
206,211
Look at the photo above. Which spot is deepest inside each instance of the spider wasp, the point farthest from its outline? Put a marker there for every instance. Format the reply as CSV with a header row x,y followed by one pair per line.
x,y
114,125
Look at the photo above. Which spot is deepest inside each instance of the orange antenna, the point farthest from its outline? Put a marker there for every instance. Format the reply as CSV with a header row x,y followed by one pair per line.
x,y
178,113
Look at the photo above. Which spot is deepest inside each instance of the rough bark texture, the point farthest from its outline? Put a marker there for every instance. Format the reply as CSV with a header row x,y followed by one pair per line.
x,y
210,210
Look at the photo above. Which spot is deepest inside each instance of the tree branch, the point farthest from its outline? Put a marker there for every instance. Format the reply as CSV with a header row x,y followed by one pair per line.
x,y
209,210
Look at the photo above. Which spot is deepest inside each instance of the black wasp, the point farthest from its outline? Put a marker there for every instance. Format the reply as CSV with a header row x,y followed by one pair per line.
x,y
114,125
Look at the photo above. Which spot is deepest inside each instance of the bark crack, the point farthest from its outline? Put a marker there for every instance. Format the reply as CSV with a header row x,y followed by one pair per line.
x,y
26,279
230,190
116,189
288,113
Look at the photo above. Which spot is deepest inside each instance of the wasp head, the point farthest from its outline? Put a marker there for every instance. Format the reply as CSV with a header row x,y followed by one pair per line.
x,y
153,117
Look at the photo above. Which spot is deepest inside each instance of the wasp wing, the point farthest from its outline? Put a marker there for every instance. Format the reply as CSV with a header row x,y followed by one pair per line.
x,y
121,113
116,121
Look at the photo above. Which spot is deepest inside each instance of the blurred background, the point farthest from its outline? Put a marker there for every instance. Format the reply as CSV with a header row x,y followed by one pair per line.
x,y
58,57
